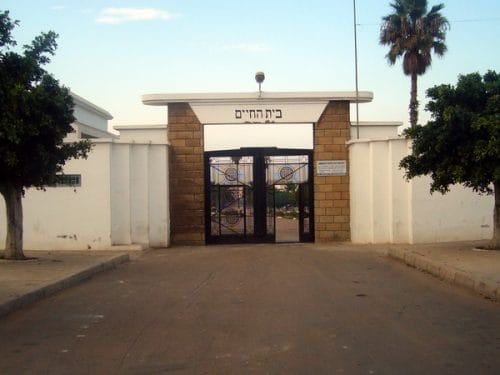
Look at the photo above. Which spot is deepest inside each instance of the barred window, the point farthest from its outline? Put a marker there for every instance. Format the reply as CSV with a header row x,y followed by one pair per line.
x,y
71,180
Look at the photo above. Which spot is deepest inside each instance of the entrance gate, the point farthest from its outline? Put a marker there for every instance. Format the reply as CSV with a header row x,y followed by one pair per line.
x,y
191,209
259,195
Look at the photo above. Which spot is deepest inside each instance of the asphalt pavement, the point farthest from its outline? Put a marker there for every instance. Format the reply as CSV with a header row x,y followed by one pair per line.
x,y
459,263
281,309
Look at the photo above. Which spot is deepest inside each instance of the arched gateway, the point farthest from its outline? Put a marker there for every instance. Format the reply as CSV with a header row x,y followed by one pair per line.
x,y
229,196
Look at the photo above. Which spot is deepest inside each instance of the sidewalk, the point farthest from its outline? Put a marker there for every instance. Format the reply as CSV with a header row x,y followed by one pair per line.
x,y
456,262
24,282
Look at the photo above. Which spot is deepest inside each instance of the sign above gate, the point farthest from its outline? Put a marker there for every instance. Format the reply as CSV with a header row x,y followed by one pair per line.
x,y
258,114
257,108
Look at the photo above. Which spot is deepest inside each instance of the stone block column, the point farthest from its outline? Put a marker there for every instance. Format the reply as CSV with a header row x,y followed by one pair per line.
x,y
331,193
185,135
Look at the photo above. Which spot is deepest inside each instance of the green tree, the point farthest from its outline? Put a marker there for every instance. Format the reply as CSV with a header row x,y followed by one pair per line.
x,y
413,33
35,115
461,143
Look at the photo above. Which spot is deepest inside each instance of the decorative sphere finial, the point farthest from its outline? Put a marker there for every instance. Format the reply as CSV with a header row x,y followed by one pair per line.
x,y
259,77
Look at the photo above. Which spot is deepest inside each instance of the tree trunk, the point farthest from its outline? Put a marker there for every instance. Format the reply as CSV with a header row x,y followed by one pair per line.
x,y
13,204
496,216
413,101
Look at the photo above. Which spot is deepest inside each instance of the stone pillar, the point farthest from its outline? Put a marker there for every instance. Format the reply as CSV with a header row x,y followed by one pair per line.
x,y
331,194
185,135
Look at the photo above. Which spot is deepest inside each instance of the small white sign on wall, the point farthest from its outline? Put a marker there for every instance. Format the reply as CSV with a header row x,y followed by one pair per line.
x,y
331,168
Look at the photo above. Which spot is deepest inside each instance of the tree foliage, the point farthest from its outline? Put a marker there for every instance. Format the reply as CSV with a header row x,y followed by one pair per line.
x,y
414,34
461,143
35,116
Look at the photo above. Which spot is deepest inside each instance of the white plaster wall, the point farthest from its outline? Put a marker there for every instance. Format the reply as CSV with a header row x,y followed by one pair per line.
x,y
82,129
385,208
381,197
143,133
92,119
379,194
159,219
375,130
400,215
120,194
69,218
123,200
458,215
139,193
361,193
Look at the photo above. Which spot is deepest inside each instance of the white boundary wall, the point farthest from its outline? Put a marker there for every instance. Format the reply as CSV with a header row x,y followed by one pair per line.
x,y
122,201
385,208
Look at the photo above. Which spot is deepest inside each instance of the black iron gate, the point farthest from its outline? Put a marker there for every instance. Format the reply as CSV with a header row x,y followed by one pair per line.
x,y
259,195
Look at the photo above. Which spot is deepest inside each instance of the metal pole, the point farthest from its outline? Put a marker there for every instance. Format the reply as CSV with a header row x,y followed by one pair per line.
x,y
356,68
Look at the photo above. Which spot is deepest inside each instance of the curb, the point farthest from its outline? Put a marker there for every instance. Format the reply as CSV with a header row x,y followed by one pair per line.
x,y
440,270
58,285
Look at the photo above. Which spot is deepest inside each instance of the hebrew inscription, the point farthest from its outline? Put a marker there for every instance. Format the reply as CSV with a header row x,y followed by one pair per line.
x,y
258,114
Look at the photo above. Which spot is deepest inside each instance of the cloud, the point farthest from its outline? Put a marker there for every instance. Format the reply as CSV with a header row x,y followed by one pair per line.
x,y
57,7
115,16
251,47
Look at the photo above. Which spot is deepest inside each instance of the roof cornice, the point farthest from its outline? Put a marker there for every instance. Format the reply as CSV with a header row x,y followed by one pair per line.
x,y
90,106
257,98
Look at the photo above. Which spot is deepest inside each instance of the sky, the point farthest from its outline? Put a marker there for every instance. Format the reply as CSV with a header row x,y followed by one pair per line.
x,y
113,52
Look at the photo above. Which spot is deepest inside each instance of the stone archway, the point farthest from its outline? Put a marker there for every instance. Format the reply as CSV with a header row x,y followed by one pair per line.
x,y
188,113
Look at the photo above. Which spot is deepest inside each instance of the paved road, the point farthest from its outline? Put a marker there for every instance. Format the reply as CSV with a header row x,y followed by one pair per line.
x,y
261,309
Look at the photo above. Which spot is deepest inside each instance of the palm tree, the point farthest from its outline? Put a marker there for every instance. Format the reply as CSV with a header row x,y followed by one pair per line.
x,y
414,33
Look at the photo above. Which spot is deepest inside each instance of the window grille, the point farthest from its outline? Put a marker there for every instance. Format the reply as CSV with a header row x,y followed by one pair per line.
x,y
71,180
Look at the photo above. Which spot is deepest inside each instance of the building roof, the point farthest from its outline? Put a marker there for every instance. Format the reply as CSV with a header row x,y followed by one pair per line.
x,y
90,106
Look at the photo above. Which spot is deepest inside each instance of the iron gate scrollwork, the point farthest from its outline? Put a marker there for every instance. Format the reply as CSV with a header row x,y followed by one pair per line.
x,y
241,189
